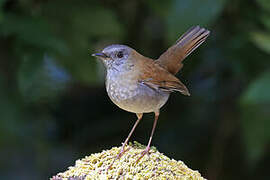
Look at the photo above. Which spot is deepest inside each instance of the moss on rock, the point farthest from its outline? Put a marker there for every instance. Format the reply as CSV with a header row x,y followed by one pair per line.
x,y
153,166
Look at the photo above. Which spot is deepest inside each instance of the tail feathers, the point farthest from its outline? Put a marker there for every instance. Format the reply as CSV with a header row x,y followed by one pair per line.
x,y
193,40
186,44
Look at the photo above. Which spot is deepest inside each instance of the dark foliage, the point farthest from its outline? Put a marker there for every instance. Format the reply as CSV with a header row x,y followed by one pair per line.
x,y
53,104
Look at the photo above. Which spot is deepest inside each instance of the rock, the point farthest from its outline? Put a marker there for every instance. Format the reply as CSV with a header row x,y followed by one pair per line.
x,y
153,166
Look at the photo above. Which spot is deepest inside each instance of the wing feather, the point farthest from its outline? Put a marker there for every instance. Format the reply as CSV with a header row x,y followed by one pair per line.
x,y
156,77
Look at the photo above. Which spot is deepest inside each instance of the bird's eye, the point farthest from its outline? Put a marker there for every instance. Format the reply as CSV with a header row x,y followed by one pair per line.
x,y
120,54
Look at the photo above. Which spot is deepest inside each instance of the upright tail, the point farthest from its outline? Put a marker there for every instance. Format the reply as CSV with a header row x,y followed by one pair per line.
x,y
186,44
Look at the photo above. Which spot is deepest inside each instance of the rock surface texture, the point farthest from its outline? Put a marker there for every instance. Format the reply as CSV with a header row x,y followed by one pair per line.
x,y
154,166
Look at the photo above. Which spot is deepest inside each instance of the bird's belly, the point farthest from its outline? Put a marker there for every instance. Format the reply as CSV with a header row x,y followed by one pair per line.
x,y
136,98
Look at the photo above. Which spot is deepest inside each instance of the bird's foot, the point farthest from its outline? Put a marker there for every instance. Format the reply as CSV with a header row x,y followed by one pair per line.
x,y
145,151
119,155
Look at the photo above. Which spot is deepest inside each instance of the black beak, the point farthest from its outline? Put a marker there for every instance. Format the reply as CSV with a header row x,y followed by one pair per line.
x,y
102,55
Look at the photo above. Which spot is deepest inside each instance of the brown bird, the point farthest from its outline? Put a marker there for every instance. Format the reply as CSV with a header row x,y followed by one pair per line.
x,y
139,84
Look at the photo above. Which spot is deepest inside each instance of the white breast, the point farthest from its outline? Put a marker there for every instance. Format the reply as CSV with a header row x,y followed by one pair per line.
x,y
132,96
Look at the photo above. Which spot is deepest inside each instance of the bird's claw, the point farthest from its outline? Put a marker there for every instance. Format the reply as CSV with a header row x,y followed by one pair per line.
x,y
145,151
119,155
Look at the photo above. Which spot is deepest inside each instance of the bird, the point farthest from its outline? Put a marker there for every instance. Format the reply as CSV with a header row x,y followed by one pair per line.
x,y
139,84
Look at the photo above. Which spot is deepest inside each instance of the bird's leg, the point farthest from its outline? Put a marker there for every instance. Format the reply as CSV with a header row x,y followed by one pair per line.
x,y
122,151
147,149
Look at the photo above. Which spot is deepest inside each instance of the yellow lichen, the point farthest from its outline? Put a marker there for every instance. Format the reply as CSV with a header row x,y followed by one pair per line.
x,y
153,166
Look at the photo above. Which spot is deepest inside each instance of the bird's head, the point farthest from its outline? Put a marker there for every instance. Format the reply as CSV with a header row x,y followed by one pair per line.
x,y
115,56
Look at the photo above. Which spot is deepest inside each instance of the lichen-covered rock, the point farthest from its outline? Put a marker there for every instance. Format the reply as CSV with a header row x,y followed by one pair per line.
x,y
153,166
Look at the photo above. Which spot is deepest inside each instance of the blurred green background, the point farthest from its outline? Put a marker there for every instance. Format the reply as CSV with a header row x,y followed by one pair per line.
x,y
54,108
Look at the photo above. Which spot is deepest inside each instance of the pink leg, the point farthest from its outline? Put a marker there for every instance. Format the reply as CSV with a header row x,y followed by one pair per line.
x,y
130,133
147,149
122,151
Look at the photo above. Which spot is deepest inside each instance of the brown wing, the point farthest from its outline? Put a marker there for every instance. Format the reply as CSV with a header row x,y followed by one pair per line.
x,y
188,42
156,77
